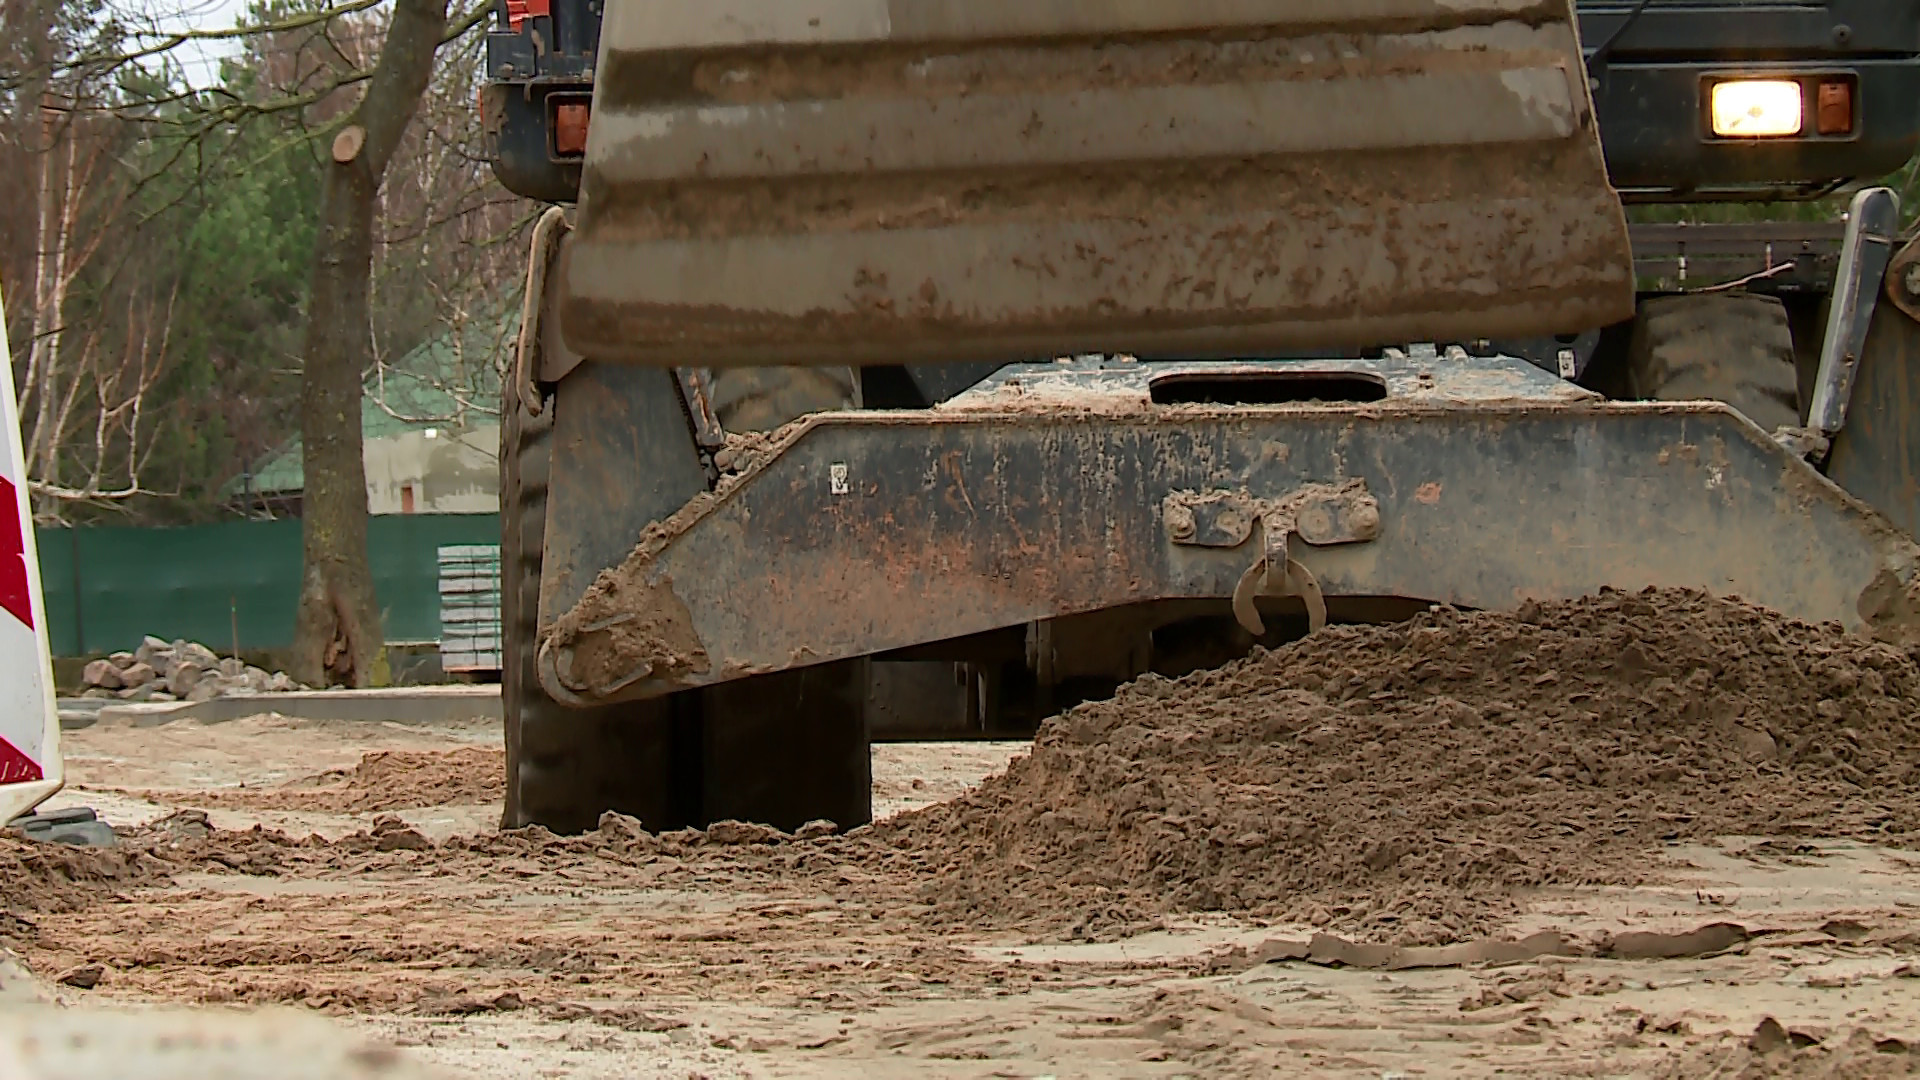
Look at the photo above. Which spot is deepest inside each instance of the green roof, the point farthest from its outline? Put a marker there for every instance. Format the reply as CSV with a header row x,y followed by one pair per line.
x,y
452,382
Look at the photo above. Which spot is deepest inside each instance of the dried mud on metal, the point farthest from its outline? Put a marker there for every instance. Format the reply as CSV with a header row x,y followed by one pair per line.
x,y
1658,834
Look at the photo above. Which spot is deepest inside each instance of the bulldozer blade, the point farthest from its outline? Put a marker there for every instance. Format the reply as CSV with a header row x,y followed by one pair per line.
x,y
901,181
1062,489
1876,455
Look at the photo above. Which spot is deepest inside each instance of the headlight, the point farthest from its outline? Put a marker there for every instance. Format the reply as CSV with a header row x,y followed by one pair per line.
x,y
1752,108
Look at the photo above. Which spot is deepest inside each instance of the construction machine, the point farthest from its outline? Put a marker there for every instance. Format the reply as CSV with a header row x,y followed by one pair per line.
x,y
910,365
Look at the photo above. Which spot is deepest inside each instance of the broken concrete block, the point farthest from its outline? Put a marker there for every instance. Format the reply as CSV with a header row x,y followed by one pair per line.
x,y
178,668
154,652
184,677
196,653
101,673
206,688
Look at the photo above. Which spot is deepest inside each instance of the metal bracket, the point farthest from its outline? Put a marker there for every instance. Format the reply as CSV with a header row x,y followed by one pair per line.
x,y
696,393
1565,359
1903,279
1873,223
553,225
1320,514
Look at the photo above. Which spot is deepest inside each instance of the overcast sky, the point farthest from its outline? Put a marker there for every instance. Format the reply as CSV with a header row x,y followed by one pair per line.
x,y
200,59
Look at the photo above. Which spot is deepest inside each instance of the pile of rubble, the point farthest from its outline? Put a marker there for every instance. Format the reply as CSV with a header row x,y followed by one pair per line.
x,y
179,671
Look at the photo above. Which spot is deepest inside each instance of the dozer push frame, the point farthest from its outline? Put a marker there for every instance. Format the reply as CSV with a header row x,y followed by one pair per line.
x,y
723,580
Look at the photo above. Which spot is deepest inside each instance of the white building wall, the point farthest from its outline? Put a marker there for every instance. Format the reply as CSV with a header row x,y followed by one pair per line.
x,y
453,472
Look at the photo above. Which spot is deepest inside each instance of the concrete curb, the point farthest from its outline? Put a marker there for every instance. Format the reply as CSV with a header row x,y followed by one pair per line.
x,y
400,705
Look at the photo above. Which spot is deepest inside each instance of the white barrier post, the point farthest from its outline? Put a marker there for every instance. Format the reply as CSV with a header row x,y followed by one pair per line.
x,y
30,768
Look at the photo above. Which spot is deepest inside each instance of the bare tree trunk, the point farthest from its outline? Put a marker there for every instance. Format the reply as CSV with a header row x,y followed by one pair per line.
x,y
337,634
52,232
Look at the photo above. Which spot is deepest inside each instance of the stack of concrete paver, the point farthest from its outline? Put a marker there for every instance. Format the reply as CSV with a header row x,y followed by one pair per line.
x,y
179,671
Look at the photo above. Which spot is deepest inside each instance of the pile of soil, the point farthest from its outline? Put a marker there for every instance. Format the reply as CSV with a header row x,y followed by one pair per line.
x,y
386,780
1777,1052
38,876
1407,781
41,876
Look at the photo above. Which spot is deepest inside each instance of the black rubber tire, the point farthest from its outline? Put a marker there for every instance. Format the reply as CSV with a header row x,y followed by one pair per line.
x,y
749,399
792,747
788,748
565,766
781,749
1731,347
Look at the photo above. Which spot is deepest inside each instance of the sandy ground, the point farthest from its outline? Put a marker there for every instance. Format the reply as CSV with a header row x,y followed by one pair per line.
x,y
489,963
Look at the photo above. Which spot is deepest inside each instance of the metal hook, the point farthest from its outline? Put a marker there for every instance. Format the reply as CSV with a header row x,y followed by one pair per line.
x,y
1293,579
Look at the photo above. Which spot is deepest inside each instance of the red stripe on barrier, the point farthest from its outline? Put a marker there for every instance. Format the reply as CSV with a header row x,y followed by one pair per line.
x,y
13,565
16,767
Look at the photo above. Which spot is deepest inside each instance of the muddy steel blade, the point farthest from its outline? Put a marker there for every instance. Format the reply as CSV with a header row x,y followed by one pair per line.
x,y
834,181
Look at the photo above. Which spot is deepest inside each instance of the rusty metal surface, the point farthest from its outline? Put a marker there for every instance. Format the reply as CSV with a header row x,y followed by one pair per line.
x,y
1431,377
696,393
889,181
623,456
1903,277
1876,456
865,532
1321,514
1873,223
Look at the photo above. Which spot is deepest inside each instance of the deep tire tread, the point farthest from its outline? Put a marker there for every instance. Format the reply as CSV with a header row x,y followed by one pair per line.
x,y
763,398
1731,347
783,748
564,766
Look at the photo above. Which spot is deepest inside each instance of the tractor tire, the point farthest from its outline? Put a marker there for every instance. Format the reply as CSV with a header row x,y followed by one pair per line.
x,y
747,399
1735,348
791,747
781,749
565,766
788,748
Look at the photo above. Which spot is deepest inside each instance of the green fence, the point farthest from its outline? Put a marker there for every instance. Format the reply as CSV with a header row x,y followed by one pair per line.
x,y
105,587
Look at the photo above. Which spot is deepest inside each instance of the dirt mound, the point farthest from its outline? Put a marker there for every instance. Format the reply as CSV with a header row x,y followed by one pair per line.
x,y
43,877
387,780
1777,1051
1407,780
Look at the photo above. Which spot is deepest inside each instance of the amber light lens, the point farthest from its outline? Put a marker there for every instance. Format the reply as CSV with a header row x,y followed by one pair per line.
x,y
570,129
1834,115
1756,108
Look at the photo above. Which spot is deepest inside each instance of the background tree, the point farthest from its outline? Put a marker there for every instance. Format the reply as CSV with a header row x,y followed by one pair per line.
x,y
158,401
337,635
